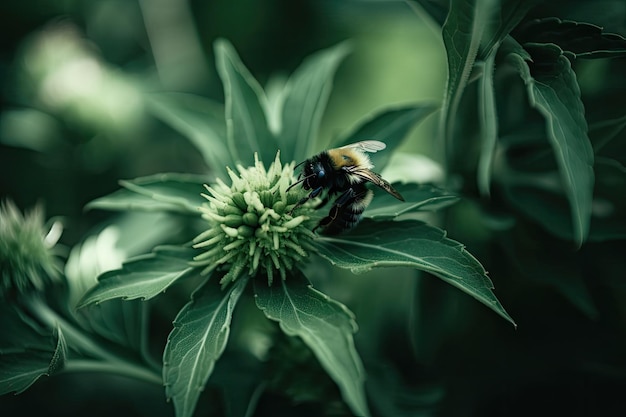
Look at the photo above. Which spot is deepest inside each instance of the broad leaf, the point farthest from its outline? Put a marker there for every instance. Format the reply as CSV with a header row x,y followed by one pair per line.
x,y
201,121
197,341
462,33
420,197
576,39
247,129
390,126
161,192
556,96
326,327
22,367
143,277
414,244
306,96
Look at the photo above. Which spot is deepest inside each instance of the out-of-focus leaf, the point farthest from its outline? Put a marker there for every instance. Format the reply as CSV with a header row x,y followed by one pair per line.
x,y
143,277
161,192
201,121
462,33
247,129
418,197
576,39
326,327
412,244
390,126
199,337
556,96
305,99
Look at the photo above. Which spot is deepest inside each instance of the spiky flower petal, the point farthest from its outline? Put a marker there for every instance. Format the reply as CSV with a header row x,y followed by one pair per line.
x,y
28,257
251,228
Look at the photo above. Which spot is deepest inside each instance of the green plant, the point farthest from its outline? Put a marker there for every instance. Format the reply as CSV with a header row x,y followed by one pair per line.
x,y
251,237
534,170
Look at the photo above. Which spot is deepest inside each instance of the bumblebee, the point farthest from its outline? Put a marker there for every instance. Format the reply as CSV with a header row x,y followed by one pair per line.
x,y
344,171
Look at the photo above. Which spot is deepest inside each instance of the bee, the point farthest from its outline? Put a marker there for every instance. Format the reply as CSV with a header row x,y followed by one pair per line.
x,y
343,171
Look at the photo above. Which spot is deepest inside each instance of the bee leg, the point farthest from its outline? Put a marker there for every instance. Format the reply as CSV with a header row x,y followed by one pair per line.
x,y
343,199
311,195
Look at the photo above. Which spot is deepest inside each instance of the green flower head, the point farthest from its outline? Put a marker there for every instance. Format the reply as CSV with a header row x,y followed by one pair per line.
x,y
251,226
28,257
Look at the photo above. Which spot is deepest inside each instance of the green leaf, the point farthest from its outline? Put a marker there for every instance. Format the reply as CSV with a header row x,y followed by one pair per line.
x,y
556,96
411,244
576,39
462,33
389,125
173,192
197,341
247,128
305,99
21,367
143,277
326,327
201,121
420,197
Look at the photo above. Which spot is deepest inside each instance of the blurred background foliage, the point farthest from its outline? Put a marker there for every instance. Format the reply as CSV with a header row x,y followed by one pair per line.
x,y
76,76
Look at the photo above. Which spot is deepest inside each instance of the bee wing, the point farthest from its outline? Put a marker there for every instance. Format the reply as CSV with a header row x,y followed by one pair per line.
x,y
367,146
376,179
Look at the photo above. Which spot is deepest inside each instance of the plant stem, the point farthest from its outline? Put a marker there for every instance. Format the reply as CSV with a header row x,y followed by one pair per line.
x,y
121,368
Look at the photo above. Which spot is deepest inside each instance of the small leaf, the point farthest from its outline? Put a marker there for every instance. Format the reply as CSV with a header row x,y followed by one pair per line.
x,y
412,244
556,96
326,327
420,197
576,39
201,121
390,126
142,277
199,338
21,367
247,128
306,96
161,192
